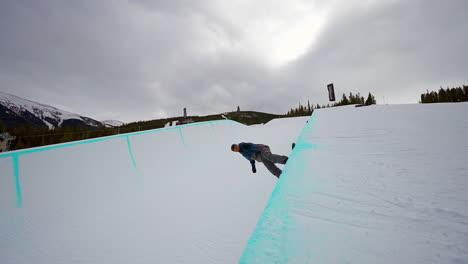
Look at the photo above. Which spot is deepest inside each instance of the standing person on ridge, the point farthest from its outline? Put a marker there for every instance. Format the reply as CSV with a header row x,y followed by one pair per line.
x,y
261,153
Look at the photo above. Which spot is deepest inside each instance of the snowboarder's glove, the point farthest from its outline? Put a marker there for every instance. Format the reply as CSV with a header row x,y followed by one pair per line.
x,y
254,170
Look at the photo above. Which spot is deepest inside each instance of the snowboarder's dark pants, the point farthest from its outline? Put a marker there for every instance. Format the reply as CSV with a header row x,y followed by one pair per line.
x,y
269,159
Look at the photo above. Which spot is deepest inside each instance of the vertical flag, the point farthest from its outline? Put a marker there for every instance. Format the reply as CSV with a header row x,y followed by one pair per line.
x,y
331,92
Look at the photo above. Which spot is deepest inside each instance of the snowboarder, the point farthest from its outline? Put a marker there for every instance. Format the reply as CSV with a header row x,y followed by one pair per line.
x,y
261,153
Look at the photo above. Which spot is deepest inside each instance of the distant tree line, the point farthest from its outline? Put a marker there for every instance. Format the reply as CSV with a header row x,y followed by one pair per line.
x,y
301,110
356,99
29,136
345,100
456,94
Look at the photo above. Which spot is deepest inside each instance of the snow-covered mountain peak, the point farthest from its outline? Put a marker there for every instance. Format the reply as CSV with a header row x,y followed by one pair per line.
x,y
51,116
112,123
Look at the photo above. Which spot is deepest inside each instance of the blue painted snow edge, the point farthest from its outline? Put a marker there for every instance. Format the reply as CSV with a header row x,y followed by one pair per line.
x,y
266,244
16,154
74,143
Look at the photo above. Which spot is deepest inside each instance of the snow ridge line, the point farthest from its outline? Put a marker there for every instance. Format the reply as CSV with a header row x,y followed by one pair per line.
x,y
69,144
16,154
265,245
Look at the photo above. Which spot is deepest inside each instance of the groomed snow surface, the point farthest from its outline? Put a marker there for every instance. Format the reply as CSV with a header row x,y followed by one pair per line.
x,y
377,184
176,195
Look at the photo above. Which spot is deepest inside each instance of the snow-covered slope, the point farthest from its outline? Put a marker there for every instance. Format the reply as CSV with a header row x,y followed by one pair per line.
x,y
175,195
376,184
14,109
112,123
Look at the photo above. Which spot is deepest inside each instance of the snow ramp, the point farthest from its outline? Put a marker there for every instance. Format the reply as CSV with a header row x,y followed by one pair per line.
x,y
375,184
174,195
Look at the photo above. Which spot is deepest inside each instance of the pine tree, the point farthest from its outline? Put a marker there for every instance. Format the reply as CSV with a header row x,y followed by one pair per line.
x,y
429,97
238,109
369,99
442,95
465,93
435,97
459,94
451,94
358,98
344,100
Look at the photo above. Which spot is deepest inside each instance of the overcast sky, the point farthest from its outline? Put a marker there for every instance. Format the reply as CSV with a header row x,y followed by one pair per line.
x,y
144,59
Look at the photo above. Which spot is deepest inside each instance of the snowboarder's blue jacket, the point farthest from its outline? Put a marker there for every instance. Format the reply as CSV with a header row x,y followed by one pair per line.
x,y
247,149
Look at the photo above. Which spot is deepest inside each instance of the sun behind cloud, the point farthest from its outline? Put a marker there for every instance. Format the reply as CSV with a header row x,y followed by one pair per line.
x,y
275,32
295,38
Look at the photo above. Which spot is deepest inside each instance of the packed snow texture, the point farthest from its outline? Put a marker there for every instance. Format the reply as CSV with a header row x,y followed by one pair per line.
x,y
176,195
376,184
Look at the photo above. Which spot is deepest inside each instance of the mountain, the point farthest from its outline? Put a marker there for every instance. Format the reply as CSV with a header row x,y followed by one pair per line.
x,y
112,123
16,111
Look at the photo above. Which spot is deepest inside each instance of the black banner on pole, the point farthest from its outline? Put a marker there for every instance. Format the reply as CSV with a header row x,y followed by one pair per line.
x,y
331,92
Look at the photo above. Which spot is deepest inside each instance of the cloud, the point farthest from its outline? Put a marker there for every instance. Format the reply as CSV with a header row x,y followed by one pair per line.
x,y
396,50
140,59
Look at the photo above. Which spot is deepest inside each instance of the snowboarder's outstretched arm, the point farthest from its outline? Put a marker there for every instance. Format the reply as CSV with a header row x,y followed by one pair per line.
x,y
254,170
247,150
